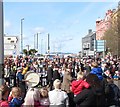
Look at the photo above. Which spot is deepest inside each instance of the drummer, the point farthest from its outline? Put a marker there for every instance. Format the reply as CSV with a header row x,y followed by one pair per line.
x,y
21,81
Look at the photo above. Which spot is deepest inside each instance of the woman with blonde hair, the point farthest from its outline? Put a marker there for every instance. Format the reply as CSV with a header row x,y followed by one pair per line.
x,y
32,98
57,97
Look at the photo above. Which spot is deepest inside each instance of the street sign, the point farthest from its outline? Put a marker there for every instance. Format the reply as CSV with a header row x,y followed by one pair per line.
x,y
100,45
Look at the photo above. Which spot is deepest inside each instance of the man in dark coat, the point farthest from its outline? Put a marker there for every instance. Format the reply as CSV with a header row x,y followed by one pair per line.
x,y
56,74
50,76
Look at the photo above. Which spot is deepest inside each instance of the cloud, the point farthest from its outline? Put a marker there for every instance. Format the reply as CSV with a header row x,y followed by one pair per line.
x,y
7,24
39,30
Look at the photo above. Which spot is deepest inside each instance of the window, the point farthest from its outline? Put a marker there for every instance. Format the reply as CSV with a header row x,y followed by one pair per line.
x,y
9,38
12,41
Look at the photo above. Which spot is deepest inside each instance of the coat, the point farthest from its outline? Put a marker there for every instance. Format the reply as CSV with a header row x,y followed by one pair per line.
x,y
56,75
78,86
67,78
90,97
50,73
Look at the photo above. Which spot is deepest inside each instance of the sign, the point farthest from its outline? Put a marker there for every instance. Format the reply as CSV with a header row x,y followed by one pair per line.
x,y
9,46
100,45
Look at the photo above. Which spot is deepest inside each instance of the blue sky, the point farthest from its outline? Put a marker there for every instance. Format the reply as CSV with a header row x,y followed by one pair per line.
x,y
66,22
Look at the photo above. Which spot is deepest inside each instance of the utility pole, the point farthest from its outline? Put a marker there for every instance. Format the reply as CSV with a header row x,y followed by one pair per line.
x,y
48,43
34,41
41,45
37,41
1,44
22,34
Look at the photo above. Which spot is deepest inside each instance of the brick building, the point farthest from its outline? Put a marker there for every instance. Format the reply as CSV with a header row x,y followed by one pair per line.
x,y
103,24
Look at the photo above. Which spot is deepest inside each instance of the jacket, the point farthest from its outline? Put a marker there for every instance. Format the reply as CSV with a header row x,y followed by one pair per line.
x,y
4,103
66,81
15,102
90,97
78,86
113,95
98,71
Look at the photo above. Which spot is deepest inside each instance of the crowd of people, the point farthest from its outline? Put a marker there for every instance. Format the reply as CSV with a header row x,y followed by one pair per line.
x,y
64,82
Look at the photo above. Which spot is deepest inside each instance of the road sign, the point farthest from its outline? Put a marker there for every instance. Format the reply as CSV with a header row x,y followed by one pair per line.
x,y
100,45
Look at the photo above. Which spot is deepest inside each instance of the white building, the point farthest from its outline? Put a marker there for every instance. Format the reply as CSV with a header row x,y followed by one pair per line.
x,y
11,45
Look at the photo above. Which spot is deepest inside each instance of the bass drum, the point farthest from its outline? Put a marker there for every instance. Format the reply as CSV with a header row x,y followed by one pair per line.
x,y
32,78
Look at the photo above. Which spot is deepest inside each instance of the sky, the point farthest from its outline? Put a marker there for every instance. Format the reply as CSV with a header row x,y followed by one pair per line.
x,y
66,22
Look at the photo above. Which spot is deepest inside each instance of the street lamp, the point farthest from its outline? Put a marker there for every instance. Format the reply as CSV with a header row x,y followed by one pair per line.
x,y
37,40
22,34
1,44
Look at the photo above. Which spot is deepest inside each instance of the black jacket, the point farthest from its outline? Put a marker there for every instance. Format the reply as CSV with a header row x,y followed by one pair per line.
x,y
113,95
50,73
56,75
90,98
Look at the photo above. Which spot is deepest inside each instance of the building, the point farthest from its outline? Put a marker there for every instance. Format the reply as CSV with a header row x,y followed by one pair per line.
x,y
11,45
88,43
115,19
103,24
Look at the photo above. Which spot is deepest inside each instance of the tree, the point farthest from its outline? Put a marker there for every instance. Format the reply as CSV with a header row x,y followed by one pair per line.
x,y
30,52
112,35
25,51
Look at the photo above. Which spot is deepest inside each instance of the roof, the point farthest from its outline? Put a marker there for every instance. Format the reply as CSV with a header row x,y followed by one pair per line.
x,y
88,35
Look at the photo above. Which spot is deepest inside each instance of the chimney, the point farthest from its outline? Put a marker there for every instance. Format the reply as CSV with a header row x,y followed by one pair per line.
x,y
89,31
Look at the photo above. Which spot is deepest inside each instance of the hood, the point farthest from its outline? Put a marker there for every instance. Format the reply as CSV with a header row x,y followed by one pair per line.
x,y
98,71
76,83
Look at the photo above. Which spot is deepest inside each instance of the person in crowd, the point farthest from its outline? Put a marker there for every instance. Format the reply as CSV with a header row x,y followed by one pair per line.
x,y
92,96
113,95
44,99
50,75
97,70
56,74
32,98
7,75
67,78
4,92
116,75
21,81
15,97
79,84
57,97
44,76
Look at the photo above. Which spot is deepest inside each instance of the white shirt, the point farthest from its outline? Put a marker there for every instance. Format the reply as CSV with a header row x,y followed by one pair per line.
x,y
58,97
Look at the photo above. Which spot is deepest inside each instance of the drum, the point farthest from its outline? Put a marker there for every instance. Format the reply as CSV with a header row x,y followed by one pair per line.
x,y
33,79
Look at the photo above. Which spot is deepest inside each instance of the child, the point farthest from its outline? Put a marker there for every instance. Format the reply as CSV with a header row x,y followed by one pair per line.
x,y
44,97
15,95
4,92
78,85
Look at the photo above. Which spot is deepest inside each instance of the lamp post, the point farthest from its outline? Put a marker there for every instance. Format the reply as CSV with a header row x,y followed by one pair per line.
x,y
22,34
1,43
48,44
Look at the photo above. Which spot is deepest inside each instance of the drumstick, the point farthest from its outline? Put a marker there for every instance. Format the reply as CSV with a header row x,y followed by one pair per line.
x,y
32,82
29,79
